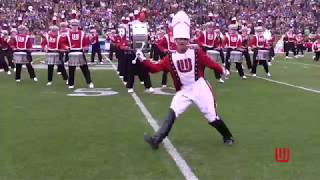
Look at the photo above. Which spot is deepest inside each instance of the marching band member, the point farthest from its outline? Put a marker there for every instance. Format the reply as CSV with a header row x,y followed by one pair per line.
x,y
22,46
189,82
122,45
64,29
233,43
259,45
316,48
112,38
51,43
270,43
78,44
153,50
245,43
290,41
300,44
218,45
3,51
134,66
208,40
94,41
165,45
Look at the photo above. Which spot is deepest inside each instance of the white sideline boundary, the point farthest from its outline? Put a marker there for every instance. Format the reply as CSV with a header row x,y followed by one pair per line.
x,y
172,151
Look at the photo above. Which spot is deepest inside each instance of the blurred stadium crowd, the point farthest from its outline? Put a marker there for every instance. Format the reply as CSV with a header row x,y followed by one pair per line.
x,y
277,15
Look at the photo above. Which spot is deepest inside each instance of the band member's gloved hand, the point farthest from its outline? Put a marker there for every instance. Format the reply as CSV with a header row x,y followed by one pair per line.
x,y
140,55
195,46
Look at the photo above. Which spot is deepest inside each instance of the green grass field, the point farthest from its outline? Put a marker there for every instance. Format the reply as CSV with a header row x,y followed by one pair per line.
x,y
47,135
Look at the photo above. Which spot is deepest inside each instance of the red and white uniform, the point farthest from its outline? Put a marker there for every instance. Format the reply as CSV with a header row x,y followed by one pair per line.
x,y
207,38
94,38
290,36
270,41
232,41
123,43
259,41
167,43
4,42
316,46
300,39
153,38
187,73
52,42
245,39
77,41
21,43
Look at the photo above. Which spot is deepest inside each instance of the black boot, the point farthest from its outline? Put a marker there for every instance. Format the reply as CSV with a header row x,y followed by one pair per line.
x,y
162,132
223,130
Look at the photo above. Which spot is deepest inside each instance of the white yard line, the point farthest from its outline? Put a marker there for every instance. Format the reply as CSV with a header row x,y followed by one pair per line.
x,y
284,83
297,63
287,84
175,155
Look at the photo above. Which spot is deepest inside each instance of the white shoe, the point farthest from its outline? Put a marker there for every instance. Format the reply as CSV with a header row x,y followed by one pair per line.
x,y
67,82
1,70
125,83
91,85
151,90
14,69
221,80
59,73
130,90
272,59
118,72
227,72
254,75
35,79
296,56
9,72
244,77
71,87
142,83
49,83
121,77
164,86
269,64
18,80
101,62
268,75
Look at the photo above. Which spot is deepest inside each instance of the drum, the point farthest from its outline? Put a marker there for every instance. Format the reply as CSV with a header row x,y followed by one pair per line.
x,y
20,58
76,59
263,55
52,58
235,56
139,34
215,55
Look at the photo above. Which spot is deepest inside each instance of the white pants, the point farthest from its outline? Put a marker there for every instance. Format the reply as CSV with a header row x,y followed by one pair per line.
x,y
198,93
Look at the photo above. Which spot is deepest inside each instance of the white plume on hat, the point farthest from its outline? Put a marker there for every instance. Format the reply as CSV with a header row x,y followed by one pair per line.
x,y
181,25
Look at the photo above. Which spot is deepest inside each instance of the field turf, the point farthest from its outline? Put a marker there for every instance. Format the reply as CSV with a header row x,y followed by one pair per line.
x,y
47,135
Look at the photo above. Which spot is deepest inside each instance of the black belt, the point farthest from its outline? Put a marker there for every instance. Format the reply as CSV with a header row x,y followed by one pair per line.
x,y
80,50
53,51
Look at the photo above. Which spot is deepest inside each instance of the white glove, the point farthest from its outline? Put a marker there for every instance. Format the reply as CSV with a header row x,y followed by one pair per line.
x,y
140,55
